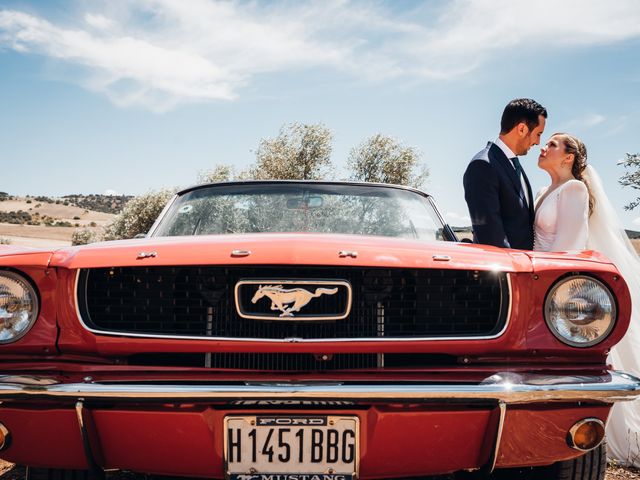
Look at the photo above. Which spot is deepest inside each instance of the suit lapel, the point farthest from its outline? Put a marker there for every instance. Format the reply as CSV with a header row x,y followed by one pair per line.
x,y
507,166
531,208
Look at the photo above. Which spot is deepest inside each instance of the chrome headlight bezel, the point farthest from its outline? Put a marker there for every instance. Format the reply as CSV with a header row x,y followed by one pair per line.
x,y
548,313
31,291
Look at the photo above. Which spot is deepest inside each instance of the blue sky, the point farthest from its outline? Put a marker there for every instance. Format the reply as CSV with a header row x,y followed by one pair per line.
x,y
132,96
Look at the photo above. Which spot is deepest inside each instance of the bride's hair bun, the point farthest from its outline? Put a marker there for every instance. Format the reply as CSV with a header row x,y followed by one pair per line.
x,y
577,147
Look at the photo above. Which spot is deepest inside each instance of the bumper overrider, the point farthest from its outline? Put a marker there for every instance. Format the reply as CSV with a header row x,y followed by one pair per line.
x,y
404,428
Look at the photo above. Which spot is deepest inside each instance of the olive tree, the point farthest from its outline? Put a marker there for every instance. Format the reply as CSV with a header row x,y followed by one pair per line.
x,y
384,159
631,178
219,173
138,215
299,152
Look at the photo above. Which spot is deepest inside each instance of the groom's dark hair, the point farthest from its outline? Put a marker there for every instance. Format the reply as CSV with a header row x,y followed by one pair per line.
x,y
521,110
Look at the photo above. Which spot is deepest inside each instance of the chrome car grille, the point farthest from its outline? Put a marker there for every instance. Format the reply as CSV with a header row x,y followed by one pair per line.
x,y
387,303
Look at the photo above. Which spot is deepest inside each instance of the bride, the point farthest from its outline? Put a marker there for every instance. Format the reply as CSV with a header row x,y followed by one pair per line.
x,y
574,213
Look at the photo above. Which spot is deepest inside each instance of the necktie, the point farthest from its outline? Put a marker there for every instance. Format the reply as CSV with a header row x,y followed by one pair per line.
x,y
516,163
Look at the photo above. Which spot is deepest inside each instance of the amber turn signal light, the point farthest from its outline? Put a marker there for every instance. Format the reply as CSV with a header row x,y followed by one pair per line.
x,y
586,434
5,437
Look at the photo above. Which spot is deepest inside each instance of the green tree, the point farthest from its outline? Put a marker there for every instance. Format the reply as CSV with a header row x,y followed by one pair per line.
x,y
138,215
631,178
384,159
299,152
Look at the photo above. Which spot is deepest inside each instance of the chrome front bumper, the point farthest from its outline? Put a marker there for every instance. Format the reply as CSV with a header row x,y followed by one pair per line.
x,y
505,387
499,390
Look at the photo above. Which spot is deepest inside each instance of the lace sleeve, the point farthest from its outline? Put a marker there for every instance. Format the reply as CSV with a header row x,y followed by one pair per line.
x,y
573,217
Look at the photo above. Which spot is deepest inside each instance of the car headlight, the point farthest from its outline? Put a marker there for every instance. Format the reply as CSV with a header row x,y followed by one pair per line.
x,y
18,306
580,311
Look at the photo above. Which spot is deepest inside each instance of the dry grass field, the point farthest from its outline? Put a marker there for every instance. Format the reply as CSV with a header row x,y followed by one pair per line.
x,y
58,211
42,236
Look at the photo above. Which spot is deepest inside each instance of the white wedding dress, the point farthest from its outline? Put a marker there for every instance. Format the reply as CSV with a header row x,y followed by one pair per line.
x,y
562,223
562,218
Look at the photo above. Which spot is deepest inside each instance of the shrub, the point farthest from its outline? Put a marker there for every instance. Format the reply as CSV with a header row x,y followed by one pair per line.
x,y
83,236
76,218
5,241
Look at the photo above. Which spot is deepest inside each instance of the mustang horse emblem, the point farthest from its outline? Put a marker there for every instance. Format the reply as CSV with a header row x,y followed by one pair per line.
x,y
289,300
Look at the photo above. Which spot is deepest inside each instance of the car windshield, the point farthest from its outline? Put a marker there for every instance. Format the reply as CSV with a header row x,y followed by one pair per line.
x,y
302,207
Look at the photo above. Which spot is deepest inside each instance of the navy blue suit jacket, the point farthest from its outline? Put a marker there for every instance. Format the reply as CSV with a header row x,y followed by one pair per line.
x,y
499,212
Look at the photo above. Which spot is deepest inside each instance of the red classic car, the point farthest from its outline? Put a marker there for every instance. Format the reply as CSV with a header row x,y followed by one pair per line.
x,y
307,331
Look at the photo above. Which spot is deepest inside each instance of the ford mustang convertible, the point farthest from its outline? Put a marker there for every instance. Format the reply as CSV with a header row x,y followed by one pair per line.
x,y
308,331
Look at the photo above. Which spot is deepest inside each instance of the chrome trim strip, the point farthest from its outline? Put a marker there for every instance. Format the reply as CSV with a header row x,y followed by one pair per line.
x,y
292,340
444,224
94,468
502,406
164,211
278,318
506,387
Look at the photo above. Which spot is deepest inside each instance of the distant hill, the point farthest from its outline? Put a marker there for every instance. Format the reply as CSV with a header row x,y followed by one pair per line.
x,y
99,203
111,204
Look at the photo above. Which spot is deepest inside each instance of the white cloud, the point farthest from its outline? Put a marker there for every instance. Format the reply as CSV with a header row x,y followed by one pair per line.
x,y
457,219
587,120
636,221
593,119
160,53
98,21
110,192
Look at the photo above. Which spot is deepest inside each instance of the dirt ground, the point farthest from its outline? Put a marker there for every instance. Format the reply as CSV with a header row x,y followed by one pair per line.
x,y
9,471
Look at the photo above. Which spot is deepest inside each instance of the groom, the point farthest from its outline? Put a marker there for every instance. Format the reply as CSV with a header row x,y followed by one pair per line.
x,y
496,188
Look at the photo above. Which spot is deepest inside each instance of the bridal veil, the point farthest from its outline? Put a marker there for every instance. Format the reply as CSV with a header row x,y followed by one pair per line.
x,y
607,235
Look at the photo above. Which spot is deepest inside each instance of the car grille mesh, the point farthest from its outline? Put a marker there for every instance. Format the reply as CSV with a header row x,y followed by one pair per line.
x,y
388,303
260,361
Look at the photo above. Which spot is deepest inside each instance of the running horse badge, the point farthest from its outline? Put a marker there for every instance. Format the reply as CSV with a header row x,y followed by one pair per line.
x,y
289,300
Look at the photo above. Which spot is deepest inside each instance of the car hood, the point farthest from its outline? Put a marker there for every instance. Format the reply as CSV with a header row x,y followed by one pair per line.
x,y
291,249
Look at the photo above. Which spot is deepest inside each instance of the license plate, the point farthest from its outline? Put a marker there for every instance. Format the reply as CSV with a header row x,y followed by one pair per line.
x,y
291,447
